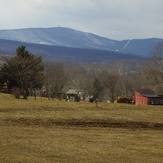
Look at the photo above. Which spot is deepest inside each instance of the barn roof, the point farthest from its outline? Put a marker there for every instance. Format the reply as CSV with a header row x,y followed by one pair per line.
x,y
148,93
152,96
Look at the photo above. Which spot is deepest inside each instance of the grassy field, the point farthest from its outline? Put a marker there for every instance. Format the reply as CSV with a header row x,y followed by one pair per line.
x,y
47,131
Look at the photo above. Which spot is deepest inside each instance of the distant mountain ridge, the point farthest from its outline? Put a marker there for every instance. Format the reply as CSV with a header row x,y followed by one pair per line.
x,y
66,37
78,55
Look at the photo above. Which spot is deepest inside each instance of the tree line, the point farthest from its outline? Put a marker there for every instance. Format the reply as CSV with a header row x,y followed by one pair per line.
x,y
25,73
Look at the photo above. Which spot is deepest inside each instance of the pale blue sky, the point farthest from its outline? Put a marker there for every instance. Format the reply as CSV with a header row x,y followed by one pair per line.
x,y
114,19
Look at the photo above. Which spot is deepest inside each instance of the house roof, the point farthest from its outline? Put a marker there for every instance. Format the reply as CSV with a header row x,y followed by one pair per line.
x,y
73,91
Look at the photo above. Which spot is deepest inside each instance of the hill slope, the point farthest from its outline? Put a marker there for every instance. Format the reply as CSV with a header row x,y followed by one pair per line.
x,y
60,36
66,53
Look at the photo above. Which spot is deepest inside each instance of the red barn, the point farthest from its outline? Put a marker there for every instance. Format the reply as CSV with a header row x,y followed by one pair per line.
x,y
147,97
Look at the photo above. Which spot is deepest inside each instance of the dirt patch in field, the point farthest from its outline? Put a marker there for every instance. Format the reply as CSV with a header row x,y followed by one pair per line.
x,y
112,123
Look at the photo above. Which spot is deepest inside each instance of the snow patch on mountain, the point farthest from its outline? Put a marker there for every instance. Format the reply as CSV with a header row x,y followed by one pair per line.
x,y
57,36
126,44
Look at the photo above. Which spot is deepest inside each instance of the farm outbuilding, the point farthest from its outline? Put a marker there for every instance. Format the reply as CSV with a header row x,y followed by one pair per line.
x,y
147,97
74,95
4,87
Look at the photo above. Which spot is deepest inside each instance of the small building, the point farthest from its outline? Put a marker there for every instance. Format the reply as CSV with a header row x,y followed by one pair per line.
x,y
4,87
74,95
147,97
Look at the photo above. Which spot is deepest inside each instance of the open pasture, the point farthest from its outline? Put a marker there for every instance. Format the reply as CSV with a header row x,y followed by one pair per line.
x,y
50,131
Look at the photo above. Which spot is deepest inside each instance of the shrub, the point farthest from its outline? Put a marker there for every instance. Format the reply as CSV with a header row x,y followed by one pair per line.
x,y
16,92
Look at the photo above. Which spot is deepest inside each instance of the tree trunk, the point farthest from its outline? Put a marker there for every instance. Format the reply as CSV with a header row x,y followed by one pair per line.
x,y
24,92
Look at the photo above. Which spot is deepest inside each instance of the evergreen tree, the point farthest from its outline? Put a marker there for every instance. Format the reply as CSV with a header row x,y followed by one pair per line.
x,y
23,70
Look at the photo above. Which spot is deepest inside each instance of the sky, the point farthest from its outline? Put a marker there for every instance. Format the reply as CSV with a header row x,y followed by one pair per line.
x,y
114,19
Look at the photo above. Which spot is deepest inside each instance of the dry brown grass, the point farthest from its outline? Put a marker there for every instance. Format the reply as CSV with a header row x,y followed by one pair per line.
x,y
46,131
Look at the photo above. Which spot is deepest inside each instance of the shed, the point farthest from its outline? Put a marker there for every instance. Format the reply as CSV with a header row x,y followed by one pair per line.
x,y
147,97
74,95
4,87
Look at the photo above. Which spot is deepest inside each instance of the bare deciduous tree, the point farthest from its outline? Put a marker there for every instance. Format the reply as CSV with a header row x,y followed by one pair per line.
x,y
55,79
110,81
157,56
97,90
152,73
